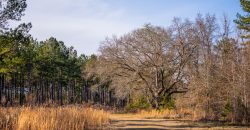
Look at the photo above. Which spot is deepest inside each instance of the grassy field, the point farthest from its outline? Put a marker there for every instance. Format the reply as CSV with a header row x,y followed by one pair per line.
x,y
82,118
55,118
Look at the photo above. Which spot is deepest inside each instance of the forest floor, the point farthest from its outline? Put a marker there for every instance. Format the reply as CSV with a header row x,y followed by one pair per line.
x,y
133,122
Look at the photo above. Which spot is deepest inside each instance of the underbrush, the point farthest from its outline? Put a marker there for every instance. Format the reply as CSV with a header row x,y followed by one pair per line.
x,y
156,114
164,114
137,105
52,118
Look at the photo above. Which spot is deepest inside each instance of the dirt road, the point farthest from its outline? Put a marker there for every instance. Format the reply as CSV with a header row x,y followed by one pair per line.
x,y
132,122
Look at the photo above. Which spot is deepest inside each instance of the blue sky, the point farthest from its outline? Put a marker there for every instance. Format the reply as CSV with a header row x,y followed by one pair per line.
x,y
85,23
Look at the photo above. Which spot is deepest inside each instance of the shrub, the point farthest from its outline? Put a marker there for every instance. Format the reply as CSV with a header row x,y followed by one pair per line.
x,y
167,103
138,104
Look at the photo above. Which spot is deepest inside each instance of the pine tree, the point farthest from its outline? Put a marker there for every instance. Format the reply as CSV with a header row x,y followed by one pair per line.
x,y
11,10
243,21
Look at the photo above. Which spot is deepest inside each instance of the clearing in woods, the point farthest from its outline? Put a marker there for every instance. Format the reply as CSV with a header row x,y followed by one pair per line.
x,y
133,122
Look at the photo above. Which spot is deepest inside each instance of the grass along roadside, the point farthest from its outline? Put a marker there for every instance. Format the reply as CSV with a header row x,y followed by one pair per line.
x,y
63,118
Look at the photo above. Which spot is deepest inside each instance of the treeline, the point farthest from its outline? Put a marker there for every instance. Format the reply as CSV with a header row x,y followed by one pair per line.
x,y
45,72
191,65
200,66
34,72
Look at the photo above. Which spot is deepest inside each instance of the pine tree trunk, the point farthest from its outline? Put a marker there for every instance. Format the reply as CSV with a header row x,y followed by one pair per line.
x,y
58,92
82,93
15,85
61,94
42,91
73,92
21,89
4,86
1,84
86,94
11,88
37,92
53,91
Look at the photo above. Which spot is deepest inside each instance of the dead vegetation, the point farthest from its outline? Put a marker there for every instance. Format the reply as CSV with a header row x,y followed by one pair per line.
x,y
56,118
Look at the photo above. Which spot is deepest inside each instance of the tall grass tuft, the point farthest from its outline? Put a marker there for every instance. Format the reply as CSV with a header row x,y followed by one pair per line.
x,y
56,118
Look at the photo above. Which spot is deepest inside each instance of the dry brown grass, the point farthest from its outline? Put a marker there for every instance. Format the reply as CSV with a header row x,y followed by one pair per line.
x,y
165,114
156,114
60,118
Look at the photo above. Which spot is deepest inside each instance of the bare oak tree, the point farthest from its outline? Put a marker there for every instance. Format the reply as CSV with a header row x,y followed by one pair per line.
x,y
150,59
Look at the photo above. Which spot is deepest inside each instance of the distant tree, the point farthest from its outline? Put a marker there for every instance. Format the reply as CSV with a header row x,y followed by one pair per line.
x,y
91,78
12,41
243,21
12,44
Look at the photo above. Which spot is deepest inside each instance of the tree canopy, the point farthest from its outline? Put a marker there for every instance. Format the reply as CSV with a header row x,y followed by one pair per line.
x,y
11,10
243,21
